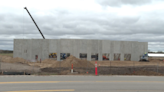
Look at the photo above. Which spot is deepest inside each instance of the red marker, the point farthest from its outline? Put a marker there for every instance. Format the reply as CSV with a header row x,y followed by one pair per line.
x,y
95,68
72,69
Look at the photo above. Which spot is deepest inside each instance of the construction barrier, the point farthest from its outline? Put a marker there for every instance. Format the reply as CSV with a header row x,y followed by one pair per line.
x,y
95,68
72,69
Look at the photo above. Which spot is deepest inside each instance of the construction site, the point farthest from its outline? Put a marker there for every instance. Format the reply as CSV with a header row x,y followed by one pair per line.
x,y
59,49
79,56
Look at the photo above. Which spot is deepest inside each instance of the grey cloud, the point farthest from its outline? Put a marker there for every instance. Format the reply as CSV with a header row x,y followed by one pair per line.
x,y
118,3
84,25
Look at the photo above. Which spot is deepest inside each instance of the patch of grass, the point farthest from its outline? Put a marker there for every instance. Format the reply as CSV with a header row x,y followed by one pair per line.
x,y
7,54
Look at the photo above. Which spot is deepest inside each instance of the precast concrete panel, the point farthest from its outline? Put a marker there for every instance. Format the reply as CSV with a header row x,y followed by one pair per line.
x,y
36,49
117,46
53,45
106,46
29,49
112,51
99,50
66,46
135,51
83,46
122,50
26,49
94,46
75,47
45,49
118,49
89,47
17,48
58,50
127,47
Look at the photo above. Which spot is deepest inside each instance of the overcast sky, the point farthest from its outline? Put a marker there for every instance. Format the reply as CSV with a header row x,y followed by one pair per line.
x,y
127,20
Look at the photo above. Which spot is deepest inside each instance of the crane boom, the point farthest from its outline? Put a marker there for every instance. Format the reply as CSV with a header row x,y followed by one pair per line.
x,y
34,22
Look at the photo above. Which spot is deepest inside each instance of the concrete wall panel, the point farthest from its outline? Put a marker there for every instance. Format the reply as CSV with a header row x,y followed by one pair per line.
x,y
26,49
127,47
36,48
89,49
106,46
45,49
66,46
117,46
99,50
58,50
53,45
75,47
94,46
83,46
17,48
112,51
135,51
122,50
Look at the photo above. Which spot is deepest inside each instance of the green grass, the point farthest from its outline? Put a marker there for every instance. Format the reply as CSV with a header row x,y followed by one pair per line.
x,y
7,54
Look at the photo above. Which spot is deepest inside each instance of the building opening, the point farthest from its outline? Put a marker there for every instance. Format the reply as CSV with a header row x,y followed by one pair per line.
x,y
94,56
63,56
117,56
127,57
105,56
83,56
36,57
53,56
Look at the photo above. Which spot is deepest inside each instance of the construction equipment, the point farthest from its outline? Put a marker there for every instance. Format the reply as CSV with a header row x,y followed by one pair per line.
x,y
53,55
34,22
64,55
144,58
105,58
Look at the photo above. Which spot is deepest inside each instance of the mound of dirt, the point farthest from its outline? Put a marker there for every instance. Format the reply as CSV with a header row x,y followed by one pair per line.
x,y
73,60
49,61
44,64
12,60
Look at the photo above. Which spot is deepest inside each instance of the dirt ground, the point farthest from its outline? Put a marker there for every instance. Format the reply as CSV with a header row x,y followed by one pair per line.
x,y
79,63
83,66
19,67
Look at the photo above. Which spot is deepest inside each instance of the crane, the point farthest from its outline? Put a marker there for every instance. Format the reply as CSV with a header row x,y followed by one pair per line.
x,y
34,22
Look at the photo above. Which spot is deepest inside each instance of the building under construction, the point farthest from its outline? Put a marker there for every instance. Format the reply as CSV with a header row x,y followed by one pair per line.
x,y
59,49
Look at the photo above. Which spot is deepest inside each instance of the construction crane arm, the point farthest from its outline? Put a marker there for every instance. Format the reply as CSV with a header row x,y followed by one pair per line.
x,y
34,22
